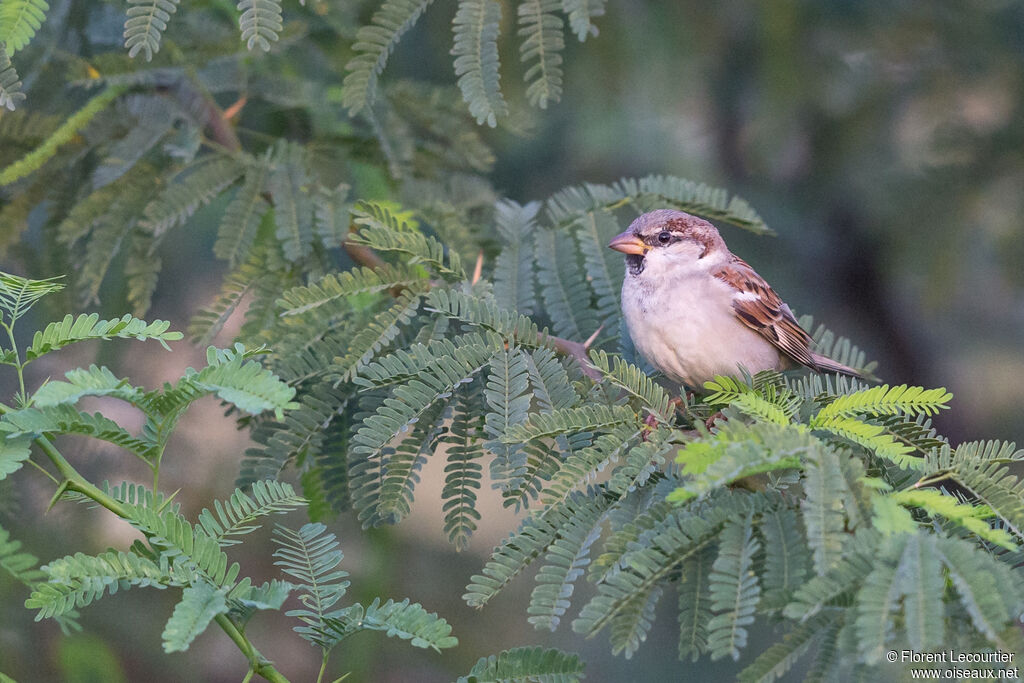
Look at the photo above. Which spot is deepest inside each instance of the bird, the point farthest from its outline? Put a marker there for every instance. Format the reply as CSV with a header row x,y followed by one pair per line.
x,y
695,310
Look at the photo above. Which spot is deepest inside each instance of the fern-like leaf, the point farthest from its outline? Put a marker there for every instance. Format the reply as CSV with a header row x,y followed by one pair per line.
x,y
541,31
311,556
200,603
18,295
236,516
293,209
786,558
635,381
374,44
735,589
586,418
776,661
63,419
476,26
334,286
563,286
13,454
193,187
695,604
384,230
145,25
463,471
581,16
19,21
513,270
566,559
374,336
604,270
260,22
10,84
526,665
823,509
243,216
93,381
397,620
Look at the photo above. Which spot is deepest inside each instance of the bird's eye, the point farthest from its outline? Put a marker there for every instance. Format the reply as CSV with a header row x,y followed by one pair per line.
x,y
664,237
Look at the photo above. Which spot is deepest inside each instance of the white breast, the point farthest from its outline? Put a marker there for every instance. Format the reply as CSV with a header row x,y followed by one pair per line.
x,y
687,329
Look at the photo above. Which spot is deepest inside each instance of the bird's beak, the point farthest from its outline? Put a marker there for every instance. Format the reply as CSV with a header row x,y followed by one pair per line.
x,y
628,243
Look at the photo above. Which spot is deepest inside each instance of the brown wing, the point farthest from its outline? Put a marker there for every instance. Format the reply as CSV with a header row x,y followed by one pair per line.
x,y
761,309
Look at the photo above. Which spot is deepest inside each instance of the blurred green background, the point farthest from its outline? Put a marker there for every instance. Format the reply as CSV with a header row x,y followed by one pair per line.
x,y
883,141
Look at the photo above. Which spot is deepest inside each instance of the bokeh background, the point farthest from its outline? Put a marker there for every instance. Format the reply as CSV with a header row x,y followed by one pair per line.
x,y
883,141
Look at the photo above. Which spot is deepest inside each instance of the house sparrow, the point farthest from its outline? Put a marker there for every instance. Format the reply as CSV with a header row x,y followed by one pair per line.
x,y
696,310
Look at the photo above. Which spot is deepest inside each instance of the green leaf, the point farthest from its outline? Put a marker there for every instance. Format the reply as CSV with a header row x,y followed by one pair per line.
x,y
695,604
922,584
822,508
243,383
18,294
882,400
374,44
194,186
92,382
236,516
971,517
384,229
78,580
199,604
57,335
145,25
786,556
540,29
605,269
513,269
877,601
403,620
565,561
986,599
312,555
260,22
476,26
293,207
13,454
243,216
776,661
735,589
586,418
64,419
19,21
581,16
10,83
563,286
526,665
335,286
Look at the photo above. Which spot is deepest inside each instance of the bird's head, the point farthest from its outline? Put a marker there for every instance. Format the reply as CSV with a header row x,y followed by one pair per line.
x,y
665,241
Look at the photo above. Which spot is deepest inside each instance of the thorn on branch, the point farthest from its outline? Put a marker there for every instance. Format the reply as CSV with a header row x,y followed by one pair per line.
x,y
478,268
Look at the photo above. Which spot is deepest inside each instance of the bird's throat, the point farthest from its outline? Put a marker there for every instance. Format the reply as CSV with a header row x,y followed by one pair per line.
x,y
635,263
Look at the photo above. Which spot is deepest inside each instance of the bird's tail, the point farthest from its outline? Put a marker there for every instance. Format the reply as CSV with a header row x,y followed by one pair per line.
x,y
825,364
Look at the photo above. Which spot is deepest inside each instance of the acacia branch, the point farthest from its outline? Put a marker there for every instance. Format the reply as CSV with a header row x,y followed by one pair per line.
x,y
365,256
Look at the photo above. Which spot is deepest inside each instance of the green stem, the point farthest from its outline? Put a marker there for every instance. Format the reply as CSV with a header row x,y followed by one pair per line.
x,y
257,662
76,482
19,366
323,666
